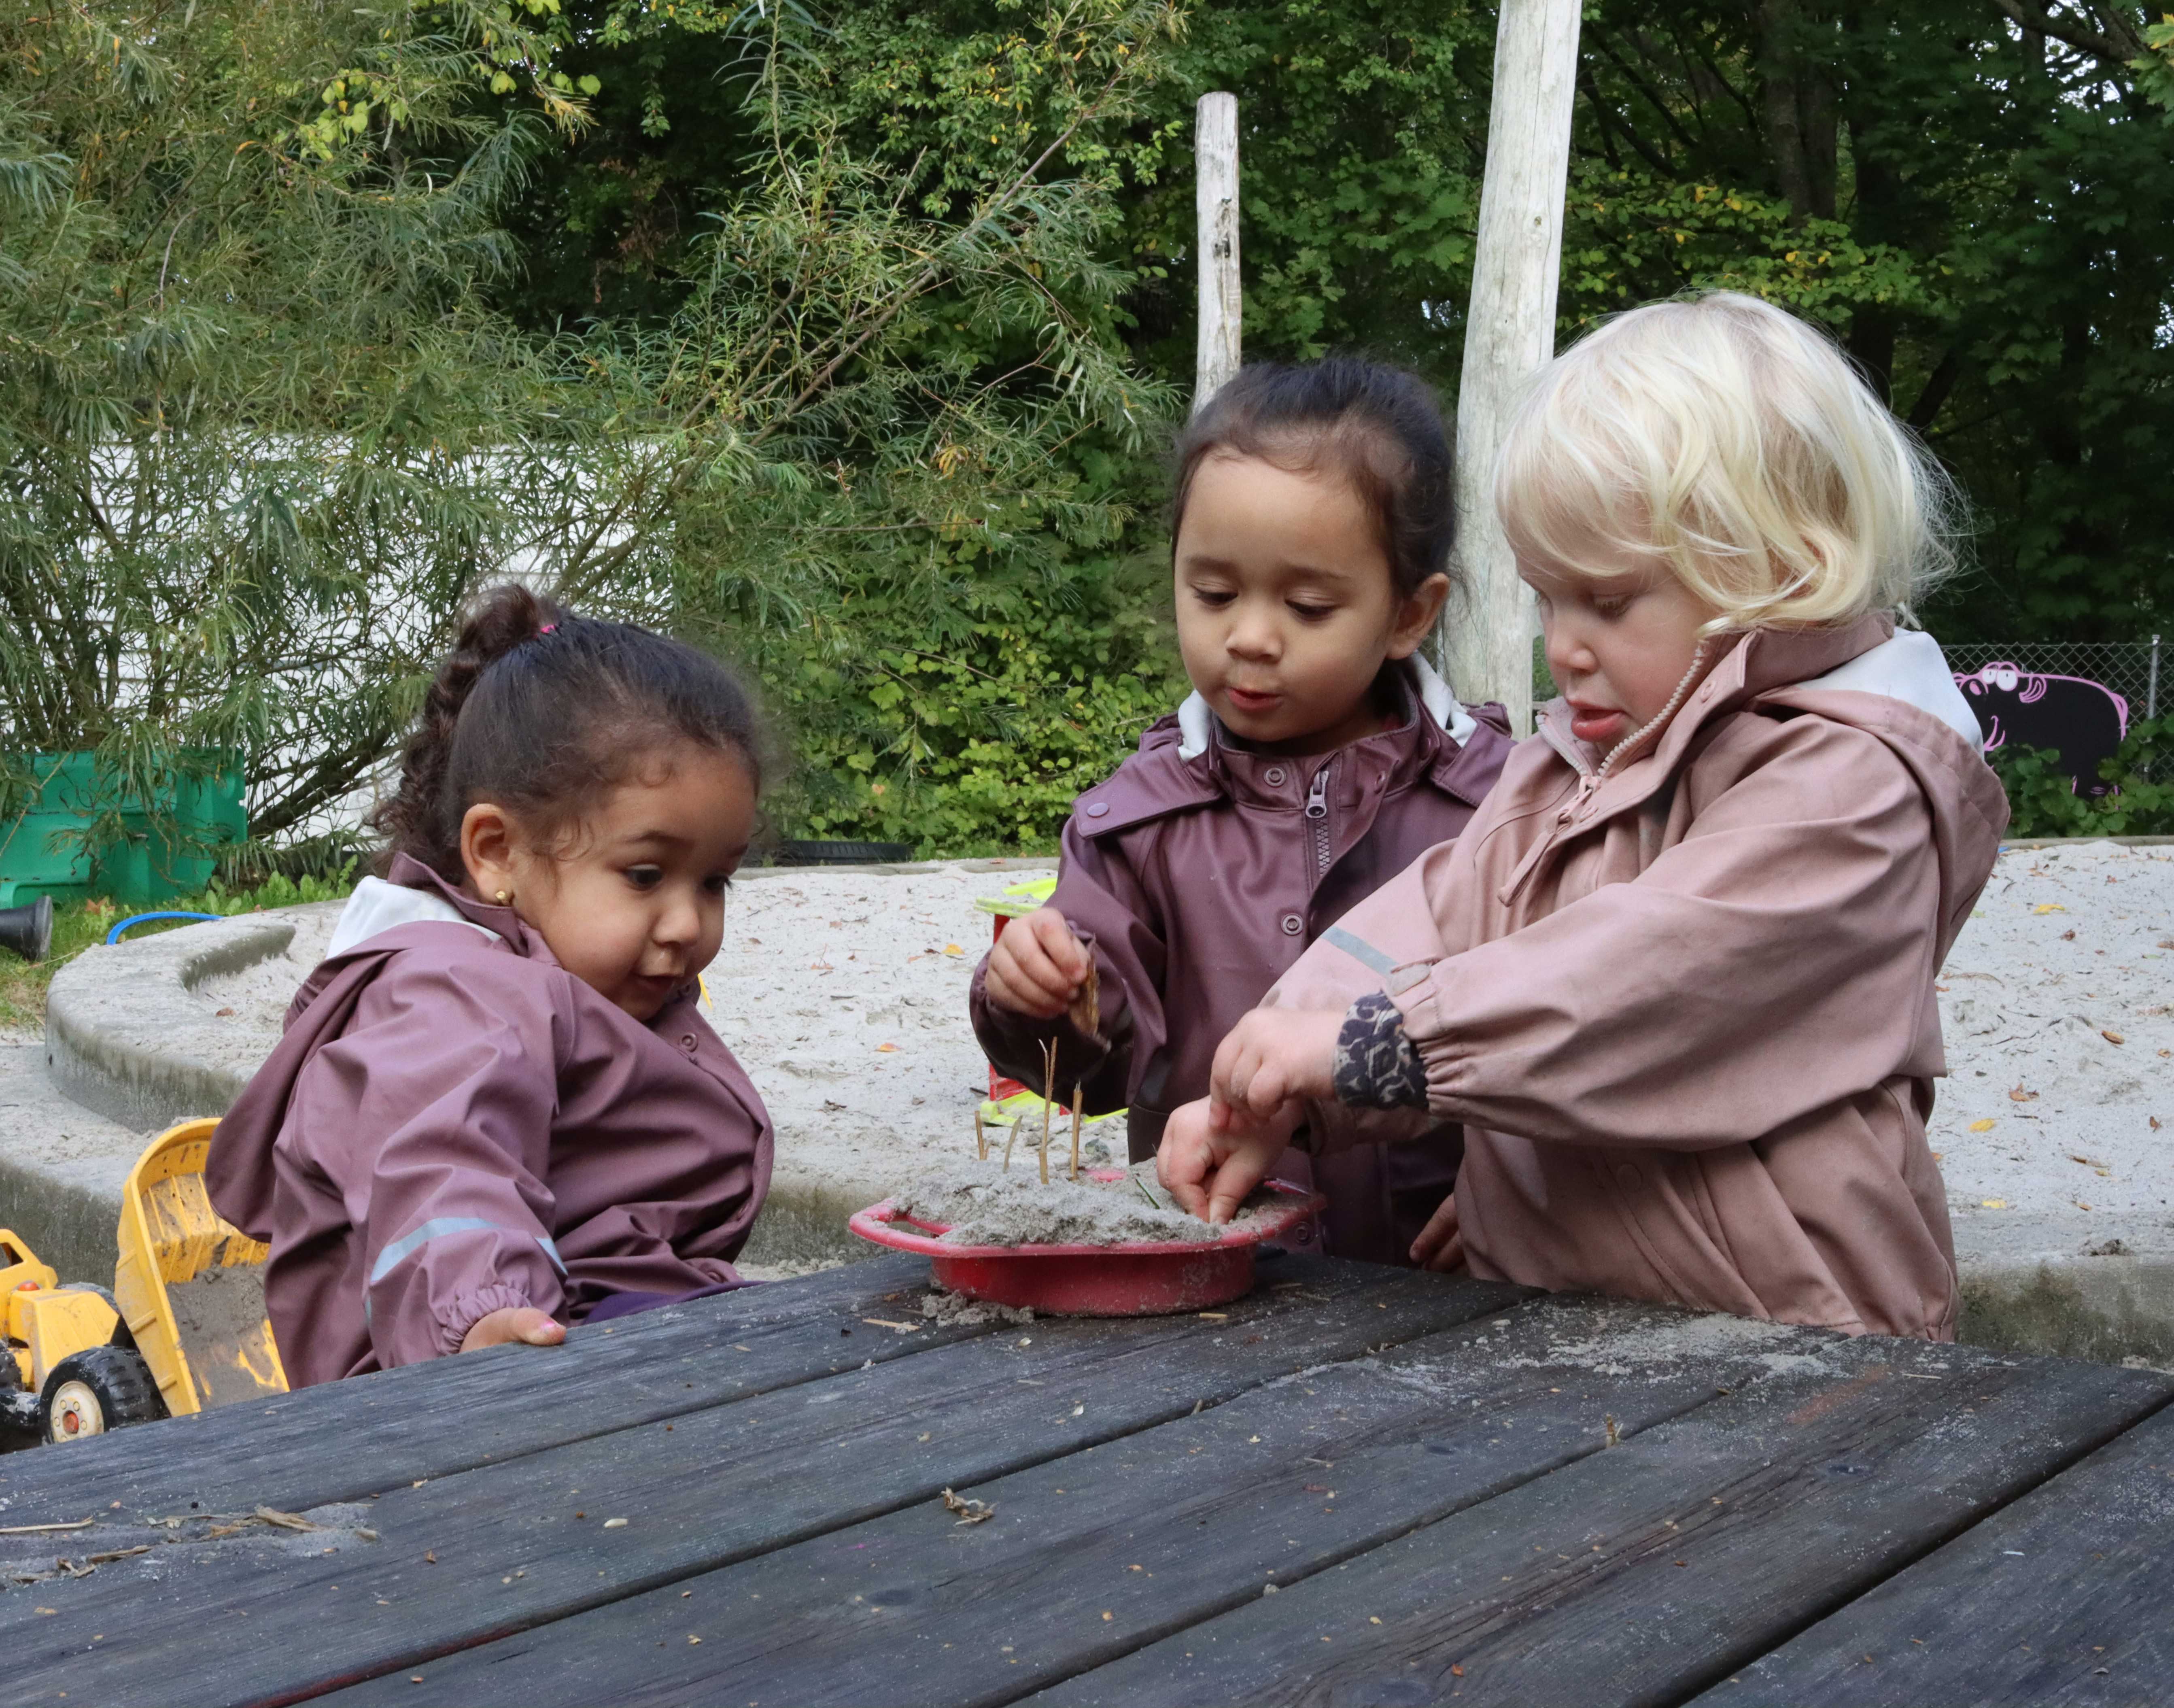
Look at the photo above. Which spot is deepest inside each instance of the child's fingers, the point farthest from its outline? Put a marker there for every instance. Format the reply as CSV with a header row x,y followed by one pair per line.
x,y
1053,934
513,1325
1006,989
1031,970
1234,1183
1185,1156
1438,1245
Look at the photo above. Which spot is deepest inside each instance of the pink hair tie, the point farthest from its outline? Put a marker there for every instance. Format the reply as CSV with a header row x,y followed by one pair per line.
x,y
547,629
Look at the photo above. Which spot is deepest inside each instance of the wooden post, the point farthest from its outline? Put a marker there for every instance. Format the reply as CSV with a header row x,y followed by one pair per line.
x,y
1215,210
1509,334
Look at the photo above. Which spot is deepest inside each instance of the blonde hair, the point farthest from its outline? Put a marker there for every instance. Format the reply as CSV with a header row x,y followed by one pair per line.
x,y
1737,445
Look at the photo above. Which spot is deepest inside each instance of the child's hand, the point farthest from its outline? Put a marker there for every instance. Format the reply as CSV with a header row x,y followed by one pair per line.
x,y
1440,1247
1037,966
521,1325
1209,1169
1272,1061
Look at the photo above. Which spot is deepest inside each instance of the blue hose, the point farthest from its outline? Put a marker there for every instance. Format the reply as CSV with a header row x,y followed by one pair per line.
x,y
114,935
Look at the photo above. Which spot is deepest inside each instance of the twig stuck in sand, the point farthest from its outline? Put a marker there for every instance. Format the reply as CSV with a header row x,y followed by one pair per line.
x,y
980,1137
1011,1132
1048,1100
1075,1130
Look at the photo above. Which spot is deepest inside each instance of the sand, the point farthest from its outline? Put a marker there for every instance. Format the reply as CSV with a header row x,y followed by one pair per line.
x,y
984,1204
217,1312
2066,946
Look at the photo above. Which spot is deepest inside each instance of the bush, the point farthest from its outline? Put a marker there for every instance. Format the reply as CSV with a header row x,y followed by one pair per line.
x,y
2044,800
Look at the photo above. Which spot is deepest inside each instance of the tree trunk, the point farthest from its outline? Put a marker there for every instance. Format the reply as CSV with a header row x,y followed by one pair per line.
x,y
1509,334
1215,211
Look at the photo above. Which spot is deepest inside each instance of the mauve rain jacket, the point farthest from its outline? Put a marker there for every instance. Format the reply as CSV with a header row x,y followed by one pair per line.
x,y
452,1124
1682,998
1200,871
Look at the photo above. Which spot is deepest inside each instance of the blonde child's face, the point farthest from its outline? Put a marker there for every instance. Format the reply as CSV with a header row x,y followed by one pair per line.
x,y
1287,610
634,905
1618,645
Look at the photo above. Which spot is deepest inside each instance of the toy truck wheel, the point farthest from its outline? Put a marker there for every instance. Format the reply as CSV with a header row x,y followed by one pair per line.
x,y
92,1392
18,1410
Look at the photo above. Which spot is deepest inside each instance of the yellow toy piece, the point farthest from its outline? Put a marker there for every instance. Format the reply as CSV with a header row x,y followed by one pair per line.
x,y
183,1331
45,1324
170,1238
1020,898
1026,1105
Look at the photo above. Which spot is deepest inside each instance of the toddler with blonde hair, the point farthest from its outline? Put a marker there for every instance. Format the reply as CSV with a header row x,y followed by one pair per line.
x,y
1677,976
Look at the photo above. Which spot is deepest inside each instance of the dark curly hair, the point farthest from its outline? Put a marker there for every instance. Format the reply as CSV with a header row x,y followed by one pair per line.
x,y
544,712
1375,426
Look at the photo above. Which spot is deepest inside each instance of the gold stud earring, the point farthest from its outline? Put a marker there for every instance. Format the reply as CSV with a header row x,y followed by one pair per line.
x,y
504,897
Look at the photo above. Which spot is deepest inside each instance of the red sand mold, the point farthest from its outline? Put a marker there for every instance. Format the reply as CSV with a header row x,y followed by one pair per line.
x,y
1134,1279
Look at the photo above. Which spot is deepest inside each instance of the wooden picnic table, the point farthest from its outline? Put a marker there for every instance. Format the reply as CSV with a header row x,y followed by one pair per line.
x,y
1358,1486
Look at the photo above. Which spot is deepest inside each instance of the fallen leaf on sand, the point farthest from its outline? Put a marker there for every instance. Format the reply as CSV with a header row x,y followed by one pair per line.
x,y
2112,1037
885,1049
953,948
2049,907
1993,1203
1982,1126
2020,1095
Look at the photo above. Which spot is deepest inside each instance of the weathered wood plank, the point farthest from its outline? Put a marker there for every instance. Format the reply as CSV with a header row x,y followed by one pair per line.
x,y
1094,1554
1649,1572
706,1489
2064,1599
432,1419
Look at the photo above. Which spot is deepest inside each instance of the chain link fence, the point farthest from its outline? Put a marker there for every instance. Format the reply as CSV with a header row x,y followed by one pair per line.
x,y
2131,668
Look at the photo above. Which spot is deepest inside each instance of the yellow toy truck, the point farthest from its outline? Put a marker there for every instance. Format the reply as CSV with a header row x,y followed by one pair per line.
x,y
183,1330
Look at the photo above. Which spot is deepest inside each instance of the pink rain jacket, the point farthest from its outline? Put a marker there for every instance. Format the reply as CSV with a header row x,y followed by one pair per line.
x,y
453,1124
1200,871
1683,1000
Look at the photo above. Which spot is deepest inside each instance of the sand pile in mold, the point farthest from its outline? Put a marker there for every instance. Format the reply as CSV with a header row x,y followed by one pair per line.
x,y
985,1205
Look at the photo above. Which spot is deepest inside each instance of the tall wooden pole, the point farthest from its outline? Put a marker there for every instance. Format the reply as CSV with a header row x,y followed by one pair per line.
x,y
1215,210
1509,334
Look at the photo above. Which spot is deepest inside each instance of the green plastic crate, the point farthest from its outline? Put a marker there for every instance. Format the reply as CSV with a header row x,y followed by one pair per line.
x,y
42,852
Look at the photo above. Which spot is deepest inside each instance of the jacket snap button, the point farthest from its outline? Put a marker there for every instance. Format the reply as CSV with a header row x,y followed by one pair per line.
x,y
1096,809
1293,925
687,1042
1274,776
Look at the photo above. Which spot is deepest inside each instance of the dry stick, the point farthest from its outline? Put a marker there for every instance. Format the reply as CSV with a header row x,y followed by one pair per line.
x,y
980,1137
1048,1102
1011,1132
1075,1132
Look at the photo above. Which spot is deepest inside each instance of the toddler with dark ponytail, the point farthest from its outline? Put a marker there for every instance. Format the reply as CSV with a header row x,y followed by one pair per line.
x,y
496,1109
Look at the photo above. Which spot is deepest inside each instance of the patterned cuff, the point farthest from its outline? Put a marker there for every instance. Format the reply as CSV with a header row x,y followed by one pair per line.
x,y
1376,1066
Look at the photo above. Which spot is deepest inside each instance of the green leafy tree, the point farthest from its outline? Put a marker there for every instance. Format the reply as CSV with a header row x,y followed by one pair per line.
x,y
265,432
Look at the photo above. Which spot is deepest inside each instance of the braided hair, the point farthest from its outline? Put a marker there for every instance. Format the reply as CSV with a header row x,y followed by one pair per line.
x,y
544,712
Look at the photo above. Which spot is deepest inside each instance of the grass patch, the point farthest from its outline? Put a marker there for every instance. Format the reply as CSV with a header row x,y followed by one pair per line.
x,y
79,925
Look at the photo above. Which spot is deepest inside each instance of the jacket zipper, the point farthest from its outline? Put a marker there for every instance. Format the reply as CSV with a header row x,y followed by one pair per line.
x,y
1316,813
1589,779
1589,783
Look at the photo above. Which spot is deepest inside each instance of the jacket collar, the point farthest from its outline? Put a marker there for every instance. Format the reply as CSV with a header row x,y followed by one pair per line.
x,y
1728,673
1199,728
412,894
